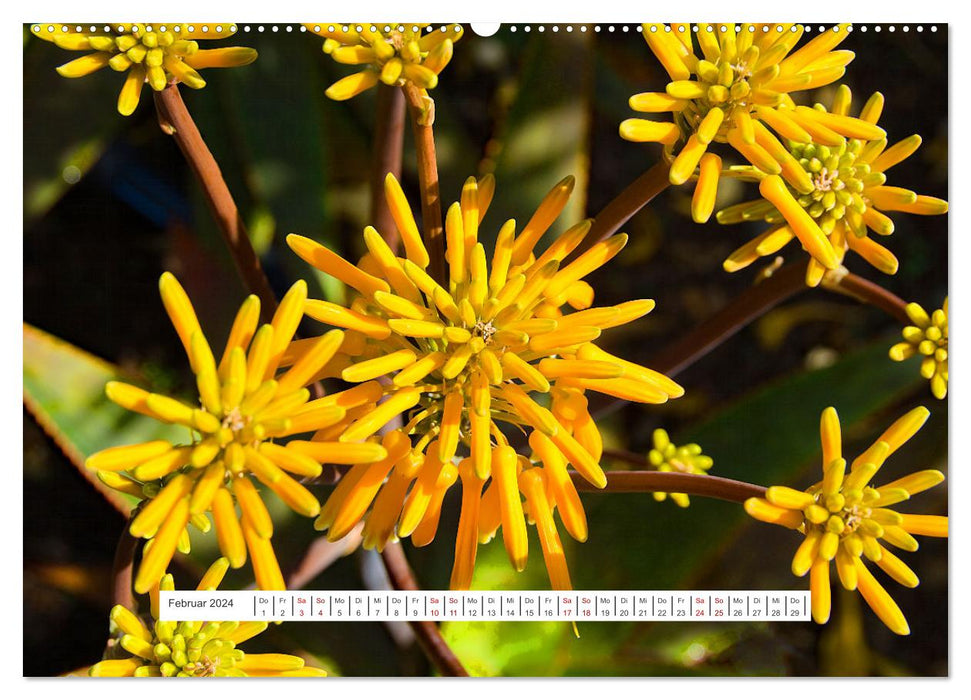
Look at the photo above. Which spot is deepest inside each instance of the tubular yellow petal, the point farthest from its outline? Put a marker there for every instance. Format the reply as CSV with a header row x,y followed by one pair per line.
x,y
880,601
352,85
703,199
904,428
228,57
379,366
252,507
481,443
829,430
163,465
760,509
820,590
533,485
354,504
927,525
258,360
335,315
803,225
782,124
214,575
205,488
850,127
179,309
467,536
916,482
646,130
687,160
428,526
528,410
805,555
578,456
310,363
162,547
405,221
419,369
544,216
598,254
313,416
515,367
790,499
564,493
129,623
900,151
116,668
398,403
656,102
669,52
295,495
324,259
270,662
85,65
115,459
924,206
874,253
228,531
340,452
265,566
421,493
896,569
846,568
584,369
131,91
514,537
448,438
755,153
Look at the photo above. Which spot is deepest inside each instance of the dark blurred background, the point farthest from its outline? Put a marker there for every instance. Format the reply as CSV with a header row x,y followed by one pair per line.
x,y
110,204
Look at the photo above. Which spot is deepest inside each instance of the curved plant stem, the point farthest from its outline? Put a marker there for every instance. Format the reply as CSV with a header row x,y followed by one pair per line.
x,y
622,207
742,310
176,121
388,141
422,113
122,569
669,482
427,632
870,293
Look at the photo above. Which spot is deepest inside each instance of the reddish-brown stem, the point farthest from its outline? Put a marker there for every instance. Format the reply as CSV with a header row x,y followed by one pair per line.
x,y
176,121
427,632
389,133
871,293
742,310
122,569
422,117
622,207
668,482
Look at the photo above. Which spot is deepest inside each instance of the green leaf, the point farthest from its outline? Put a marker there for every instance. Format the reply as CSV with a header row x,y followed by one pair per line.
x,y
64,390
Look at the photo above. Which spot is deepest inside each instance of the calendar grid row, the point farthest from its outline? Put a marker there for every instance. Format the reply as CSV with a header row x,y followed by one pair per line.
x,y
486,605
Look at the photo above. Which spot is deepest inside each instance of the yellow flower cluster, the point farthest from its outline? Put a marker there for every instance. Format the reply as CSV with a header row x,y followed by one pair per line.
x,y
844,517
192,649
461,358
245,406
157,54
928,338
735,92
394,54
665,456
846,200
